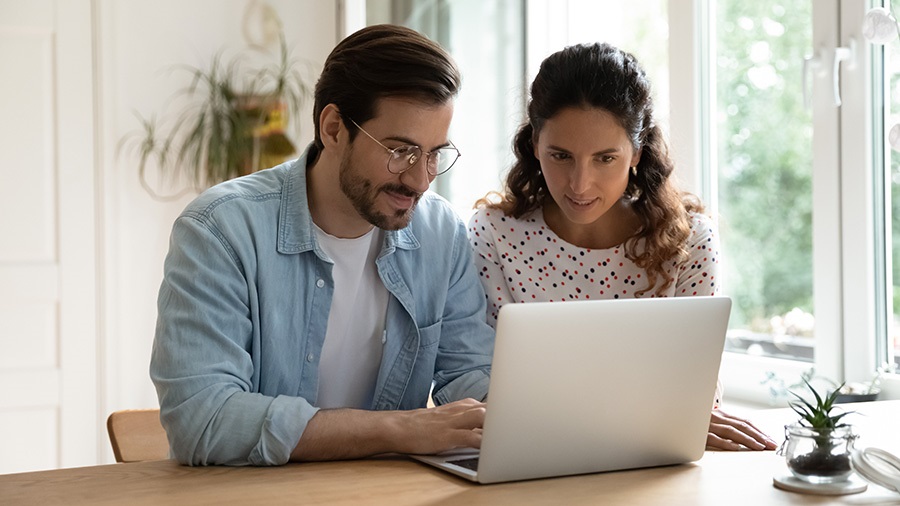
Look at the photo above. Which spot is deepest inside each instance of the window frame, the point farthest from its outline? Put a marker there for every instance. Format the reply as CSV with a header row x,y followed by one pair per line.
x,y
845,256
851,305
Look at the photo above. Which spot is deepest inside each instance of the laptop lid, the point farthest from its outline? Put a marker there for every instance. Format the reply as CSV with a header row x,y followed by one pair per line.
x,y
591,386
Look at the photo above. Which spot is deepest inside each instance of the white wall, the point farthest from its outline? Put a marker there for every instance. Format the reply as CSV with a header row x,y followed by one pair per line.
x,y
136,42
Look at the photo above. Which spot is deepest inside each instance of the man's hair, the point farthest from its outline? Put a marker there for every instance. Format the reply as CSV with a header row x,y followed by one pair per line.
x,y
382,61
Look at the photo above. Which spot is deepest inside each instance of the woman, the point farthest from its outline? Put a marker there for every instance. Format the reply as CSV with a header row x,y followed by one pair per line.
x,y
588,210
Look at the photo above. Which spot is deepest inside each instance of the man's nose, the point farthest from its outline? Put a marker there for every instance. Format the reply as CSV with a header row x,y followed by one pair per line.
x,y
417,177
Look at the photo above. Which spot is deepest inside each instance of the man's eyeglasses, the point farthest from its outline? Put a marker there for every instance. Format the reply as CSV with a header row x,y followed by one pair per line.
x,y
403,158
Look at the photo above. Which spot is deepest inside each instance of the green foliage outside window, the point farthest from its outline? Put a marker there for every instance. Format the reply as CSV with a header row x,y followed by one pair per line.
x,y
764,156
892,66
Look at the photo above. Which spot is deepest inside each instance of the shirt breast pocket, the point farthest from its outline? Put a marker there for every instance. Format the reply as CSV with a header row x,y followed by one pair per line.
x,y
423,371
430,336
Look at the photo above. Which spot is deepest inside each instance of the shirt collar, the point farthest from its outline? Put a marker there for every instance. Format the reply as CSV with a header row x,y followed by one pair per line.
x,y
295,227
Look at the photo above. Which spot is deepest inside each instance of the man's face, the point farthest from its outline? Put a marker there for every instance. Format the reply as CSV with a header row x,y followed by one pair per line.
x,y
384,199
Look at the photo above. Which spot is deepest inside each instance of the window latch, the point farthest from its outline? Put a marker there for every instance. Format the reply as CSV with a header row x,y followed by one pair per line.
x,y
811,63
842,54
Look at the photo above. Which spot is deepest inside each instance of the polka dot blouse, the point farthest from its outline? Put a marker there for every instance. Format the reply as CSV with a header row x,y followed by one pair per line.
x,y
522,260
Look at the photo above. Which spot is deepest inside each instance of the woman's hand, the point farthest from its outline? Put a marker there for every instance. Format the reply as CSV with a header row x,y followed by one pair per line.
x,y
728,432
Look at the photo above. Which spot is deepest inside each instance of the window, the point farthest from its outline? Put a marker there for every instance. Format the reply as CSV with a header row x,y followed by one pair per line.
x,y
887,181
498,61
797,158
487,40
790,157
763,152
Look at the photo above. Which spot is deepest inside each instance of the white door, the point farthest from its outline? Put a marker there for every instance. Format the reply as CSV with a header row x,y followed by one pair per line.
x,y
48,334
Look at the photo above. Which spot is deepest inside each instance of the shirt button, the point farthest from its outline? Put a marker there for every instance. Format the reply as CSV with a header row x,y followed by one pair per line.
x,y
309,357
320,283
383,338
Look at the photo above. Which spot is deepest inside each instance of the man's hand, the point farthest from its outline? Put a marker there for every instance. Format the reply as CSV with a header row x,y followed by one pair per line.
x,y
427,431
728,432
334,434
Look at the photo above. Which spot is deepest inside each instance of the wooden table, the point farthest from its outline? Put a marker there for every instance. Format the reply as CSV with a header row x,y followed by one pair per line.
x,y
718,478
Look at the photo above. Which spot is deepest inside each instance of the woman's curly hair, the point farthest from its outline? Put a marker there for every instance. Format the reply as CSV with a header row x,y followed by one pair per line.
x,y
604,77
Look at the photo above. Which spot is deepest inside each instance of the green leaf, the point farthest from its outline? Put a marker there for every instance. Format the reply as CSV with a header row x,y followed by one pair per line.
x,y
818,415
211,139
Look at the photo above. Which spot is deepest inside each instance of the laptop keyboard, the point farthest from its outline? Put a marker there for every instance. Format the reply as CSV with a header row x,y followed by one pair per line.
x,y
469,463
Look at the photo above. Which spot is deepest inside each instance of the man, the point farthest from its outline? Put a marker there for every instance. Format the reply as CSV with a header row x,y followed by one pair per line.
x,y
306,309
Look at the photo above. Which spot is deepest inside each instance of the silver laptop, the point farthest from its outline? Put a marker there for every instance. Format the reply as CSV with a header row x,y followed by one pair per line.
x,y
585,387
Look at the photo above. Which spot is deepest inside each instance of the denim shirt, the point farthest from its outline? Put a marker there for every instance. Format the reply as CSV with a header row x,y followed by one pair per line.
x,y
244,304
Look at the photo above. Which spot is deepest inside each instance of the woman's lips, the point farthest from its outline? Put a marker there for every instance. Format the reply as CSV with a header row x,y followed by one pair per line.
x,y
580,203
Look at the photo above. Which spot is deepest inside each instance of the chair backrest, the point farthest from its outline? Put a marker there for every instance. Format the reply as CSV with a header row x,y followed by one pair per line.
x,y
137,435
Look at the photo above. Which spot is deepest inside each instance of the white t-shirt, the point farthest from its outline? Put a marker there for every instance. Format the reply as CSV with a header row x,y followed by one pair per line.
x,y
351,354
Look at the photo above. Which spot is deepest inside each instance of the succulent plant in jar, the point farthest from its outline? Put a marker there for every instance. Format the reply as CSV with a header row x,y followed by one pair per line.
x,y
817,447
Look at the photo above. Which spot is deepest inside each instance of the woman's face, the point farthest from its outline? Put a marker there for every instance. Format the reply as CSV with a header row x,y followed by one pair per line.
x,y
585,156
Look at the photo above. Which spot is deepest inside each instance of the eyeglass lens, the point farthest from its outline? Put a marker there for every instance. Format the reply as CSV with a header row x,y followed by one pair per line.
x,y
439,161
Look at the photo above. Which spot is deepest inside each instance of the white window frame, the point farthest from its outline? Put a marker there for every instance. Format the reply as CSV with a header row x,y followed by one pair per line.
x,y
350,17
843,196
858,354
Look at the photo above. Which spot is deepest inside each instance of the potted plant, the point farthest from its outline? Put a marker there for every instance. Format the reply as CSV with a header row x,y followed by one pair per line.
x,y
235,122
817,448
862,392
847,392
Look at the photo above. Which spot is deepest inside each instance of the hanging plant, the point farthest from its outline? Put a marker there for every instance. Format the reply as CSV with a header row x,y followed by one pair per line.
x,y
235,123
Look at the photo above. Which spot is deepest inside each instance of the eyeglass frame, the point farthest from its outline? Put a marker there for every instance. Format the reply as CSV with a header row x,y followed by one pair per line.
x,y
426,154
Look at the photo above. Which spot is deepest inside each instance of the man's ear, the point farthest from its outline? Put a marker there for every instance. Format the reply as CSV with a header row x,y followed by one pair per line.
x,y
330,124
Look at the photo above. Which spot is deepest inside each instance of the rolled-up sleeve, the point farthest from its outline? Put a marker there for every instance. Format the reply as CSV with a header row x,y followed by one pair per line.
x,y
203,363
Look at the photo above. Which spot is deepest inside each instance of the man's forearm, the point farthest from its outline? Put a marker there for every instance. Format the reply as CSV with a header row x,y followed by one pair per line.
x,y
337,434
340,434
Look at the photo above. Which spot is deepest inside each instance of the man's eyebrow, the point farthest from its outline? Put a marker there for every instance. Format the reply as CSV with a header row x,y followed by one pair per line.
x,y
411,142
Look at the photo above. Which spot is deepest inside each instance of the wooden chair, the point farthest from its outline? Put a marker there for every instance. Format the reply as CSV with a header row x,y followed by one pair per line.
x,y
137,435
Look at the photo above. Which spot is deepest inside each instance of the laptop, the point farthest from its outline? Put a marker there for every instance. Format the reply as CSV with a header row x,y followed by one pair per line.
x,y
591,386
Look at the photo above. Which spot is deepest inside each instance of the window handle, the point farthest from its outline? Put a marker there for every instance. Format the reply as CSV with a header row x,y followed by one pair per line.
x,y
842,54
811,63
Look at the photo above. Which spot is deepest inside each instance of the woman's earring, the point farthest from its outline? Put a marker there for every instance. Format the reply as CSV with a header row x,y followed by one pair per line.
x,y
634,170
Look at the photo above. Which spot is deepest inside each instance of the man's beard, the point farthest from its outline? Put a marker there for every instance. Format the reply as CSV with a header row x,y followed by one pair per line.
x,y
361,193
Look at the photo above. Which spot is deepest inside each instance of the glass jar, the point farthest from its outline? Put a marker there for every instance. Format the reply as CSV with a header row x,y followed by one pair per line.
x,y
818,455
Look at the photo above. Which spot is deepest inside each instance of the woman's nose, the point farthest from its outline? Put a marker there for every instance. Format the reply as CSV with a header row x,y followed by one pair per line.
x,y
580,179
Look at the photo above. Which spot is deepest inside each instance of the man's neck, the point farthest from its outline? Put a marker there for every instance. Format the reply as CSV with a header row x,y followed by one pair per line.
x,y
331,210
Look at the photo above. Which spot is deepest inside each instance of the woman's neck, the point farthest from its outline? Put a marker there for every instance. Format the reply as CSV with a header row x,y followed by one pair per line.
x,y
615,227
